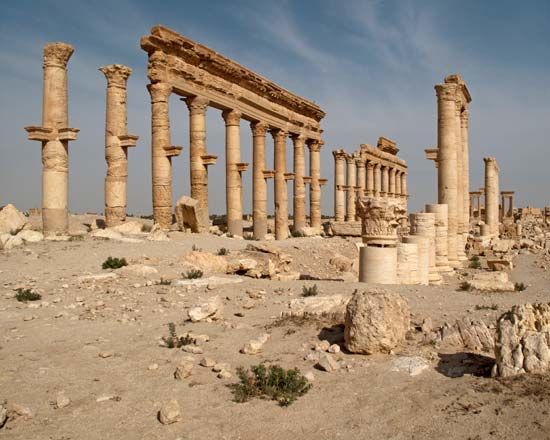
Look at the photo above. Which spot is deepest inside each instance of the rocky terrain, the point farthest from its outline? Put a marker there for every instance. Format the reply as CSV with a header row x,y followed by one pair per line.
x,y
89,359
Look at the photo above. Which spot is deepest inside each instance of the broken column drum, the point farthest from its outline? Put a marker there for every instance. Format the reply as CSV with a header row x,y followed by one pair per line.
x,y
55,136
423,257
441,243
117,142
407,263
423,224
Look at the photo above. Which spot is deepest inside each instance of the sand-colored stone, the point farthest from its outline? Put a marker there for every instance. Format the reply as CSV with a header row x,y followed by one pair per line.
x,y
491,196
407,263
281,189
259,180
441,230
350,187
423,224
117,142
315,184
422,257
339,185
55,136
299,187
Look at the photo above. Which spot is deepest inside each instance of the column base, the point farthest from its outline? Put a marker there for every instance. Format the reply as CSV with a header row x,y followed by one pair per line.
x,y
55,221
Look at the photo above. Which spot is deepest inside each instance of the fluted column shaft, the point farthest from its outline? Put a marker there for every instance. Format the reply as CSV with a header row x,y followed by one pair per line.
x,y
464,116
198,171
447,162
315,186
461,227
117,142
491,195
281,190
398,191
299,187
392,185
259,184
233,185
361,175
377,179
385,181
339,184
370,178
351,184
161,161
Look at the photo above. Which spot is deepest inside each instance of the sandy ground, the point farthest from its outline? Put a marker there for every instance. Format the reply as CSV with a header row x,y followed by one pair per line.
x,y
55,345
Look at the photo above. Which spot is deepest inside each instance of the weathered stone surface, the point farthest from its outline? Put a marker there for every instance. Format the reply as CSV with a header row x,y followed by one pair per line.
x,y
141,270
129,227
205,261
157,234
183,370
376,322
8,241
255,346
522,340
187,215
413,365
328,363
468,334
500,265
61,400
318,305
110,234
492,282
30,236
350,229
169,412
11,220
342,263
3,415
212,309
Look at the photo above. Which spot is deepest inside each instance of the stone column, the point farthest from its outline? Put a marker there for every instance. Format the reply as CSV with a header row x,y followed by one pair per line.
x,y
233,185
197,106
161,154
407,263
315,185
461,228
370,178
281,190
55,136
351,184
423,224
259,183
464,121
422,257
447,162
299,199
385,181
398,191
491,195
117,142
339,185
404,191
392,185
377,179
361,175
441,243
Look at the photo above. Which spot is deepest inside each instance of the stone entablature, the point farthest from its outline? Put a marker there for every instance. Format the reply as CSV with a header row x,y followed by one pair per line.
x,y
196,70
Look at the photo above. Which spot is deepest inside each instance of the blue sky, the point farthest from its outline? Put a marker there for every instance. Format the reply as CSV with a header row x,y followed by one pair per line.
x,y
371,65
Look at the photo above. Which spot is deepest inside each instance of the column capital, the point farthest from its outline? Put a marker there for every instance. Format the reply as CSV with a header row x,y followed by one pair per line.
x,y
314,144
231,117
57,54
370,165
298,139
159,91
465,116
339,154
446,92
259,128
197,105
361,161
278,134
116,75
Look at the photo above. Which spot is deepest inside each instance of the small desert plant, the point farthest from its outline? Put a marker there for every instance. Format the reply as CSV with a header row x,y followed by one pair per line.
x,y
114,263
223,251
273,382
297,234
485,307
475,263
25,295
79,237
164,282
250,238
195,248
310,290
193,274
465,286
172,341
519,287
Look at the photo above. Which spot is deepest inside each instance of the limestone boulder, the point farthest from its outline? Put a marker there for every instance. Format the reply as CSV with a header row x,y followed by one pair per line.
x,y
187,214
30,236
8,241
334,305
376,322
11,220
157,234
131,227
205,261
140,270
211,309
467,334
342,263
522,341
500,265
502,245
169,412
492,282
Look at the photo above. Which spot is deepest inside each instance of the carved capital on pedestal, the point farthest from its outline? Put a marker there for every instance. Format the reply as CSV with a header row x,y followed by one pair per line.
x,y
159,91
231,117
446,92
116,75
259,128
57,54
197,105
379,218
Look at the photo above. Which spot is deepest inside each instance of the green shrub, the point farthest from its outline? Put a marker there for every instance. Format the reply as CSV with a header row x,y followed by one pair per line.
x,y
114,263
164,282
297,234
223,251
25,295
273,383
193,274
519,287
310,290
484,307
172,341
475,263
195,248
465,286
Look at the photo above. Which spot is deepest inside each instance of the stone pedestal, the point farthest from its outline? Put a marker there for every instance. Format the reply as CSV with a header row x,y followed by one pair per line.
x,y
441,242
407,263
198,169
378,265
299,201
117,142
423,257
55,136
423,224
259,180
281,191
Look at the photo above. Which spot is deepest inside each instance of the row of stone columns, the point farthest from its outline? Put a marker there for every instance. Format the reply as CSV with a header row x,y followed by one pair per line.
x,y
453,162
354,175
163,151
